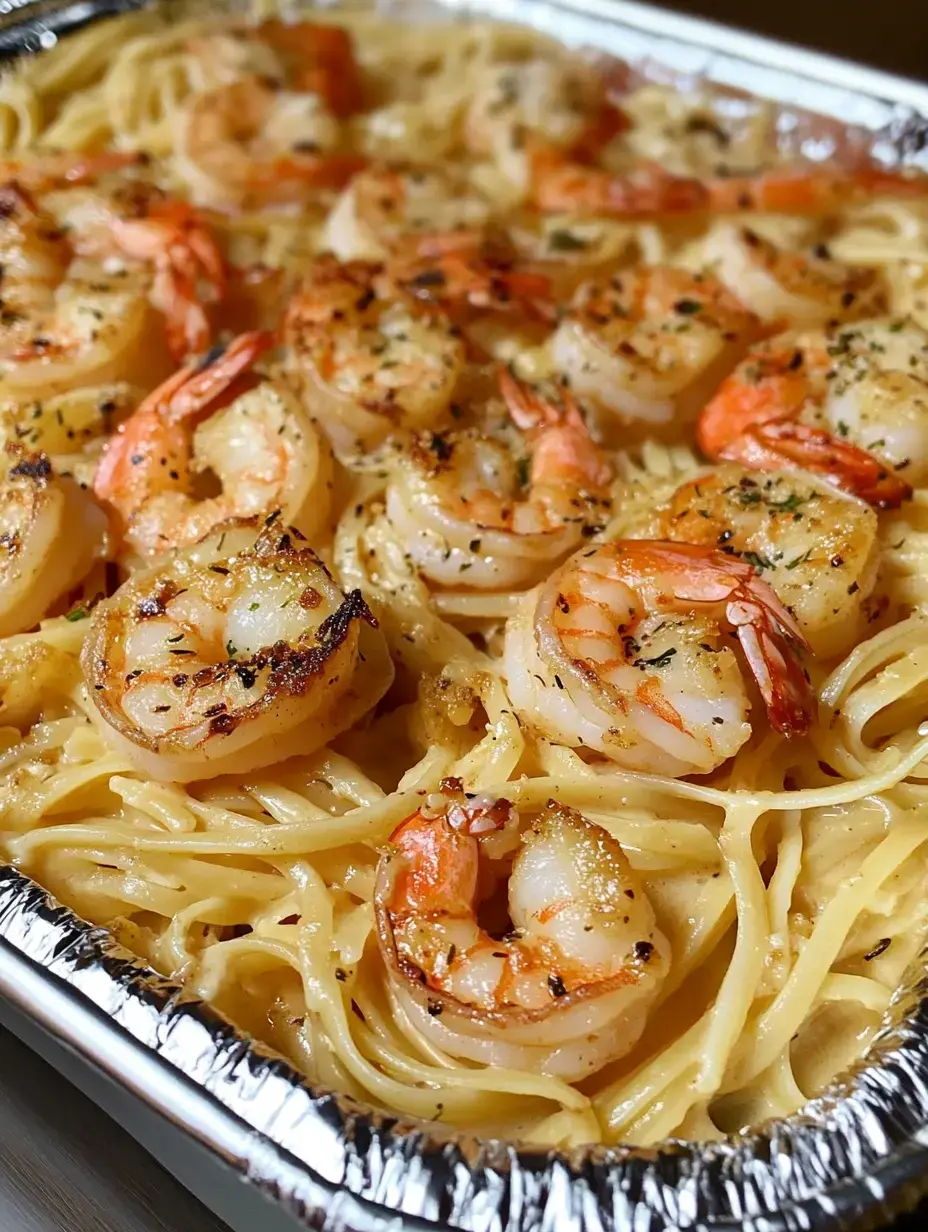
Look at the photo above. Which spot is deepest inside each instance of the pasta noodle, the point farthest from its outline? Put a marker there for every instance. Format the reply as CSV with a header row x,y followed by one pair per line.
x,y
783,876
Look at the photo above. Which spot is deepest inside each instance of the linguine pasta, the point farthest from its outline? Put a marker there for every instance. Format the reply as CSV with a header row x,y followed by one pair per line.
x,y
785,879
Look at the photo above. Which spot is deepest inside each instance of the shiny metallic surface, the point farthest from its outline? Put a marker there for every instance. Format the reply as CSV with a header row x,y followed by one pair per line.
x,y
850,1159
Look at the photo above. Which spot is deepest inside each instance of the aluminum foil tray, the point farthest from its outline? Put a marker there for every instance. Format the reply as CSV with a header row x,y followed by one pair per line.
x,y
851,1159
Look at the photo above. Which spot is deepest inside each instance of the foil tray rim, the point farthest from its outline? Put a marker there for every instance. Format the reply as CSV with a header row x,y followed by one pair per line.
x,y
855,1155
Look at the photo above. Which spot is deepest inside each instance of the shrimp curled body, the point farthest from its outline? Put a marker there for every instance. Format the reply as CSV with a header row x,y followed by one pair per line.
x,y
463,516
847,403
624,651
235,653
568,989
252,434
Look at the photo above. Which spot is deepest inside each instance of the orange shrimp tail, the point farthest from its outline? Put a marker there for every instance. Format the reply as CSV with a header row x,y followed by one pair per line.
x,y
809,191
209,381
561,445
323,60
527,409
776,669
437,867
767,633
775,390
848,466
151,429
188,267
561,186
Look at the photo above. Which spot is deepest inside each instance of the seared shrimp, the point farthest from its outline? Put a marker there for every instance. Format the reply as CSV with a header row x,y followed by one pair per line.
x,y
463,270
51,532
386,208
235,653
77,264
65,321
650,344
519,105
317,59
563,185
850,403
625,651
248,144
253,435
465,516
803,288
816,547
568,988
370,364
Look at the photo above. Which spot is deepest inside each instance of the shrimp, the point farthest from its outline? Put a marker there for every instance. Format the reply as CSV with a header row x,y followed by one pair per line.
x,y
567,988
386,207
463,515
87,236
370,363
804,289
253,436
65,321
650,344
61,170
625,651
317,59
561,184
460,270
232,654
519,105
849,403
248,144
51,533
816,547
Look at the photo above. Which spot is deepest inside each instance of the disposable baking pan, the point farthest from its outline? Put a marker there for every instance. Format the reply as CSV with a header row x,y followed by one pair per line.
x,y
219,1109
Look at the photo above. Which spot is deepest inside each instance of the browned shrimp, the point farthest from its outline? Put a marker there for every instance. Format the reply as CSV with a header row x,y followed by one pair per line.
x,y
625,651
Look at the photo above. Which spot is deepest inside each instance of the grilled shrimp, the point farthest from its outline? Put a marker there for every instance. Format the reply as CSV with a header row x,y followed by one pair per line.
x,y
65,321
386,208
465,518
566,990
562,184
370,363
625,651
816,547
806,289
235,653
650,344
51,532
849,403
248,144
520,105
81,265
252,434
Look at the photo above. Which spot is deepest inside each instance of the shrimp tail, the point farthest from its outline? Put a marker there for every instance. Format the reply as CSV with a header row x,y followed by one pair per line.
x,y
854,470
564,186
807,192
325,58
150,436
215,375
561,444
187,264
765,641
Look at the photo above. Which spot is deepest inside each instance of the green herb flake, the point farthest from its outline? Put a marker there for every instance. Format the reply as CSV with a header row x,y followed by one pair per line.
x,y
566,241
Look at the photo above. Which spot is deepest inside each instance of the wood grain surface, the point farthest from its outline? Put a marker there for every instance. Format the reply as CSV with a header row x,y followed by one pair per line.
x,y
64,1165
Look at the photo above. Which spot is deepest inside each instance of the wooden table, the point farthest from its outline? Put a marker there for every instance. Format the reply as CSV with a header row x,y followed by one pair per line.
x,y
64,1165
